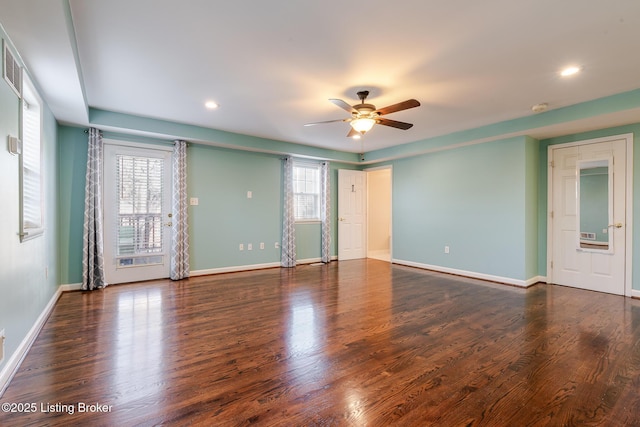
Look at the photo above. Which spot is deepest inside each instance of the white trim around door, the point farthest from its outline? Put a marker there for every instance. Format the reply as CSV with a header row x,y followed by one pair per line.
x,y
622,223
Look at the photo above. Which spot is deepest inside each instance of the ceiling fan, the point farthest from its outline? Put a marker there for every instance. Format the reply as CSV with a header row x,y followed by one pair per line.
x,y
364,116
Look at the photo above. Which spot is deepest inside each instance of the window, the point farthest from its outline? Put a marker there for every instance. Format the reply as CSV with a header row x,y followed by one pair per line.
x,y
139,226
31,223
306,191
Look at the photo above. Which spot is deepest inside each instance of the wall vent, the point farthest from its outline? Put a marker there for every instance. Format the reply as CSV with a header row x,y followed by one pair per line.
x,y
587,236
11,70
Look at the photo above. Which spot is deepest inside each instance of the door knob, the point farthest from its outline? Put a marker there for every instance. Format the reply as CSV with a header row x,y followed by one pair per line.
x,y
340,219
616,225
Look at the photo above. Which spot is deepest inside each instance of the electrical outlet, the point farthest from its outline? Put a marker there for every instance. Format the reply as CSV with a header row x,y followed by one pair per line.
x,y
261,245
446,249
194,201
277,246
242,246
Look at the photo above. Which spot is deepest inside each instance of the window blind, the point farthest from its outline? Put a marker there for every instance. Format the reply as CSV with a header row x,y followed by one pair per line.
x,y
31,161
139,210
306,191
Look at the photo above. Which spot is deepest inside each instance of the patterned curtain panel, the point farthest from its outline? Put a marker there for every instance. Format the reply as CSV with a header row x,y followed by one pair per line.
x,y
288,257
325,211
180,235
92,245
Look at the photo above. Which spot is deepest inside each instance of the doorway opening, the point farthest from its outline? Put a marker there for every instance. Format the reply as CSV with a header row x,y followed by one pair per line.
x,y
379,213
364,214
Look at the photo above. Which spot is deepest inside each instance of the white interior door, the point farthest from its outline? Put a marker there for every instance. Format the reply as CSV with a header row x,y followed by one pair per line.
x,y
589,244
352,187
137,213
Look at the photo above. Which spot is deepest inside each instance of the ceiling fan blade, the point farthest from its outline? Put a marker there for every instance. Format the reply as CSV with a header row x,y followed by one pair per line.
x,y
394,124
410,103
340,103
353,133
327,121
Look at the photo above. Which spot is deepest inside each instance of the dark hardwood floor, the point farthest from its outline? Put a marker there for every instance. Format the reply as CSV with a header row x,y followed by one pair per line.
x,y
354,343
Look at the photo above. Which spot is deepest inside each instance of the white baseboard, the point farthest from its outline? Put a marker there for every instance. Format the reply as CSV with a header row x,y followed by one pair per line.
x,y
473,274
635,293
71,287
237,268
10,368
312,260
233,269
380,255
534,280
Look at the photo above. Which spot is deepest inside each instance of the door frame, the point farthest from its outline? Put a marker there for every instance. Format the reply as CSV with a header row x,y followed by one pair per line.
x,y
107,142
369,189
628,273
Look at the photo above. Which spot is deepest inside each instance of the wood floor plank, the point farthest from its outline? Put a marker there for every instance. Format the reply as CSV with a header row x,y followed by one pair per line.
x,y
351,343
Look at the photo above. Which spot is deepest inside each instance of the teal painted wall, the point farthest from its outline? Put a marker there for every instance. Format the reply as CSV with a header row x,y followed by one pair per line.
x,y
72,155
532,190
479,200
28,270
542,199
224,217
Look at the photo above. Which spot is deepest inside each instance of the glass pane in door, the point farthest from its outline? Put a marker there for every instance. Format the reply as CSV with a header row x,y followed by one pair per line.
x,y
139,210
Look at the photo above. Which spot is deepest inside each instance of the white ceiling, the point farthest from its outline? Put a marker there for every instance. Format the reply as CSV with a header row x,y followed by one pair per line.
x,y
272,65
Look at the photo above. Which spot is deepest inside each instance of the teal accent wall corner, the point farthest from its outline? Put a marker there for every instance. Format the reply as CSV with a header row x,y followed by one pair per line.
x,y
72,160
477,200
532,190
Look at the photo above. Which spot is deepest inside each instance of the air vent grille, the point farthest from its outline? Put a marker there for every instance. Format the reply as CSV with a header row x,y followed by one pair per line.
x,y
11,71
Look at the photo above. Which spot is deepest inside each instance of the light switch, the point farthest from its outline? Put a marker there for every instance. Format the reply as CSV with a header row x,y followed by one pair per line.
x,y
193,201
249,194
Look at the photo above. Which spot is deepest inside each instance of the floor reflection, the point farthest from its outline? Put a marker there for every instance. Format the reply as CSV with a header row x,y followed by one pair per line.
x,y
303,330
138,342
305,342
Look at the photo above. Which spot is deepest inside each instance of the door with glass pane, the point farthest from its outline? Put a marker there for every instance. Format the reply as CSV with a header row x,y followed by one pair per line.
x,y
137,213
588,215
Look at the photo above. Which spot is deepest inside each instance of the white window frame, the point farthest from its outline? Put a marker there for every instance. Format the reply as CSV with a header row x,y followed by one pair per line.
x,y
314,166
31,171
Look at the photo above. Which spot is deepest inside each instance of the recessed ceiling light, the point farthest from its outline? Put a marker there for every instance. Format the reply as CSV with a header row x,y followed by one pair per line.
x,y
211,105
570,71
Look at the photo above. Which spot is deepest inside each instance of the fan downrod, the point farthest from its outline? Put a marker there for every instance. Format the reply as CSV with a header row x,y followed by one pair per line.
x,y
363,95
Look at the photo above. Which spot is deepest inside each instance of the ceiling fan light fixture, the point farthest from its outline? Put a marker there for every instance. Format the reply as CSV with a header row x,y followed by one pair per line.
x,y
362,125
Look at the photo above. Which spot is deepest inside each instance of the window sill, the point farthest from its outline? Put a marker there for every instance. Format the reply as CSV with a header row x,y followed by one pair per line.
x,y
31,233
308,221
